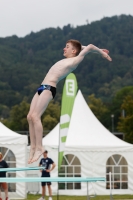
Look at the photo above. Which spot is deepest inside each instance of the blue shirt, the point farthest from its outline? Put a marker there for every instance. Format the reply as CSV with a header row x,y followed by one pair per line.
x,y
3,164
46,163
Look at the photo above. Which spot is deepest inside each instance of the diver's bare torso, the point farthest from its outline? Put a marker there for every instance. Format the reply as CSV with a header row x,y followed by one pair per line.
x,y
63,67
60,70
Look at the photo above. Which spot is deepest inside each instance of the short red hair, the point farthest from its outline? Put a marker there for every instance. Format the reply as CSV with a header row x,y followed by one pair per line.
x,y
77,45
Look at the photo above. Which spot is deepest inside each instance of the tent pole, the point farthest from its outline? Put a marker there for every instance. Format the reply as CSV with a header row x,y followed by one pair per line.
x,y
87,191
111,198
58,170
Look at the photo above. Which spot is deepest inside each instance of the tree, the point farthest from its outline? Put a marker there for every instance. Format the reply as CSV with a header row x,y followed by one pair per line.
x,y
125,124
18,117
99,109
118,100
24,61
17,120
4,111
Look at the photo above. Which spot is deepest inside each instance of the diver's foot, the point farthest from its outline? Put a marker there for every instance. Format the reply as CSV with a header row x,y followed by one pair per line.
x,y
32,152
37,154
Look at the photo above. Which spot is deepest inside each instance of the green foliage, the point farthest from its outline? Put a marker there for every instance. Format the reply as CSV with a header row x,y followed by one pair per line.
x,y
18,117
97,106
118,100
25,61
125,124
17,120
4,112
100,110
63,197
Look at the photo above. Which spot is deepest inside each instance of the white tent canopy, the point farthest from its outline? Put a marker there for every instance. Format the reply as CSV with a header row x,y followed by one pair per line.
x,y
93,145
89,132
8,136
52,139
17,144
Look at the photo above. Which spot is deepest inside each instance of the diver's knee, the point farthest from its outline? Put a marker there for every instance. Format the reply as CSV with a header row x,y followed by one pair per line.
x,y
29,117
34,117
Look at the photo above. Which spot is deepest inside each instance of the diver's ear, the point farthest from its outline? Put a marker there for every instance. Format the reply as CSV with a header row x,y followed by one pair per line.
x,y
74,51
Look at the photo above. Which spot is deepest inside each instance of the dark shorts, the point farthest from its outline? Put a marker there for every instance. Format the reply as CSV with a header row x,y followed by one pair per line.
x,y
47,87
45,183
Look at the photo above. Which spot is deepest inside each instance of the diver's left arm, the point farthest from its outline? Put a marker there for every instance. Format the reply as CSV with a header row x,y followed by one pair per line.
x,y
93,49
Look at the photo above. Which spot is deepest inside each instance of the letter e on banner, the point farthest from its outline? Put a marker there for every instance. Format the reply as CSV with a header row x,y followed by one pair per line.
x,y
70,87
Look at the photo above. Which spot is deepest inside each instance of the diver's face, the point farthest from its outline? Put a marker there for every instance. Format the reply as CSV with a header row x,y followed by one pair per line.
x,y
69,50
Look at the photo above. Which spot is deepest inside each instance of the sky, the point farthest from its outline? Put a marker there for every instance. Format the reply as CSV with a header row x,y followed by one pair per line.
x,y
20,17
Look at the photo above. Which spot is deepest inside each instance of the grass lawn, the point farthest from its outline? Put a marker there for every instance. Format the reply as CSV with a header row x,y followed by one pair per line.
x,y
35,197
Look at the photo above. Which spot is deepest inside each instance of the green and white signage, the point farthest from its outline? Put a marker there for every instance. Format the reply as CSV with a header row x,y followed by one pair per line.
x,y
68,97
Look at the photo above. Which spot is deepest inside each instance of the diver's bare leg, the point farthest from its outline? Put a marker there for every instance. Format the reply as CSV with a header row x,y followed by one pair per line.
x,y
31,127
0,191
42,103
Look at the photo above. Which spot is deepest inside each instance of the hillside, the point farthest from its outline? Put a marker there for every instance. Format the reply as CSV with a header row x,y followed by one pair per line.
x,y
25,61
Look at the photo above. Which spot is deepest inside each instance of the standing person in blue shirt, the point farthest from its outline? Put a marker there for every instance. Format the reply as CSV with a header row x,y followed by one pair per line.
x,y
4,186
46,163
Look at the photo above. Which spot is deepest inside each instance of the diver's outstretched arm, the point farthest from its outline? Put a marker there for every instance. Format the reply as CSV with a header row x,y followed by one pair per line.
x,y
93,49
